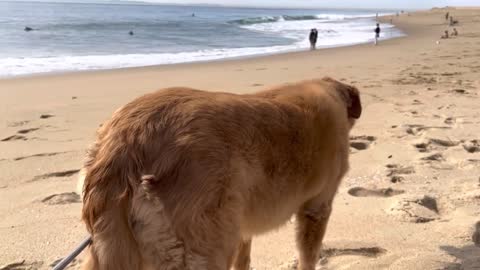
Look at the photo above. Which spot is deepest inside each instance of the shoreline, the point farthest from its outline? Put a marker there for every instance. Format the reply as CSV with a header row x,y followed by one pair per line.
x,y
230,60
400,33
254,57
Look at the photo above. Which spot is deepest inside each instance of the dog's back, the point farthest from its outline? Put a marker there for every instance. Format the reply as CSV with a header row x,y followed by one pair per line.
x,y
173,169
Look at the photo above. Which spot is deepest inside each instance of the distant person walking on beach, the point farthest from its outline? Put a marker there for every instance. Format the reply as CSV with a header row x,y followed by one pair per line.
x,y
452,21
455,32
313,38
445,36
377,33
447,16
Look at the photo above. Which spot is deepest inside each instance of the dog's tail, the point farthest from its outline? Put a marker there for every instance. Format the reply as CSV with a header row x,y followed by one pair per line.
x,y
107,187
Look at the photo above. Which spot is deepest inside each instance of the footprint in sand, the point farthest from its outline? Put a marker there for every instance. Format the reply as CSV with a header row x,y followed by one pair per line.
x,y
419,209
450,120
434,157
22,265
28,130
361,142
40,155
46,116
449,74
444,143
63,198
18,124
434,144
384,192
416,102
460,91
55,174
20,137
363,251
14,138
413,129
472,146
396,169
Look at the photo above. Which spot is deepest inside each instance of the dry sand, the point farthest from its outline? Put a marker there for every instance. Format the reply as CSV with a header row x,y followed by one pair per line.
x,y
410,200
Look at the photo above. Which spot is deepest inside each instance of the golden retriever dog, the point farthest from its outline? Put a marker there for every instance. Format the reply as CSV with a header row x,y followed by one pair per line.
x,y
183,178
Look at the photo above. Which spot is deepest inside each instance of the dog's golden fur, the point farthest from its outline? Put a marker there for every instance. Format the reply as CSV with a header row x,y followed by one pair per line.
x,y
183,179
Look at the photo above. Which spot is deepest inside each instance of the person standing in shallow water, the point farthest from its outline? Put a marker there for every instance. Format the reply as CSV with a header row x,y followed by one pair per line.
x,y
313,38
377,33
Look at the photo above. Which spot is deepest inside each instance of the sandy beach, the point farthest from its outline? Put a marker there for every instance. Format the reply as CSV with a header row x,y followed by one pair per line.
x,y
410,200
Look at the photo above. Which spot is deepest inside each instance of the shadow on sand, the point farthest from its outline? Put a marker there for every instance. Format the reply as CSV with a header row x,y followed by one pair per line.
x,y
467,257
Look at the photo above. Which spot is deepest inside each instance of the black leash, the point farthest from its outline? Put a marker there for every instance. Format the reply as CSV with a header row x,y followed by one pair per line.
x,y
67,260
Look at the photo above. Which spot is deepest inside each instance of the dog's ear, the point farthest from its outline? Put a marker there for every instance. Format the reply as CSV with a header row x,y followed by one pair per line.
x,y
355,107
350,95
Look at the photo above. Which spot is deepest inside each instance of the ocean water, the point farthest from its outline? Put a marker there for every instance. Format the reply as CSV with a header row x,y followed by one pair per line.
x,y
71,36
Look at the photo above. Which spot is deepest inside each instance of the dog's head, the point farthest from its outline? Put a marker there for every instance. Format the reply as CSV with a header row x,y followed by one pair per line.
x,y
350,95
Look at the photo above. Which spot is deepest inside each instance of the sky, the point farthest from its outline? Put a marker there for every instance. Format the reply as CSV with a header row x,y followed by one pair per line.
x,y
406,4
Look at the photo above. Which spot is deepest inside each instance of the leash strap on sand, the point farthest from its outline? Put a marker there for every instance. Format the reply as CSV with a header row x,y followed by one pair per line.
x,y
67,260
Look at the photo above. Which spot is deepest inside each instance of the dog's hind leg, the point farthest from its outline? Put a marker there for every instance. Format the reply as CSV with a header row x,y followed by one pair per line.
x,y
159,245
113,244
211,237
200,244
